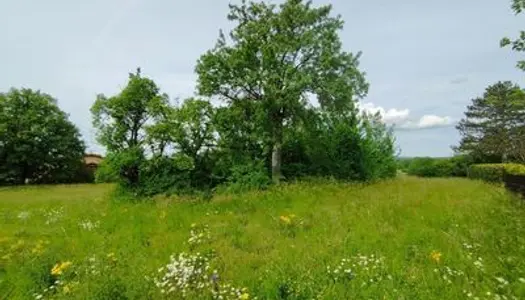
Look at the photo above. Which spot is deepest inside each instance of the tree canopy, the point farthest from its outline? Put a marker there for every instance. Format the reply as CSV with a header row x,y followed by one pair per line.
x,y
38,143
494,125
281,56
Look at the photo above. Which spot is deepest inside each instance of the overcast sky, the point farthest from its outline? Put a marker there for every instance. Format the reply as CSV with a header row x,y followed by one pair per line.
x,y
424,59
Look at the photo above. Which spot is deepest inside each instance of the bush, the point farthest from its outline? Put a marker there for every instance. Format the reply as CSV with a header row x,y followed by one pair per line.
x,y
430,167
108,170
494,172
248,176
165,175
342,146
84,174
456,166
461,163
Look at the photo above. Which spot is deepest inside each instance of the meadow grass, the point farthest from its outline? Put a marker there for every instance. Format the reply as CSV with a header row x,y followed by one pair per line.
x,y
408,238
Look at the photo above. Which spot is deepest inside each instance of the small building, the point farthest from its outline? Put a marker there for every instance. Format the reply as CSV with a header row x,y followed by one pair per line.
x,y
92,160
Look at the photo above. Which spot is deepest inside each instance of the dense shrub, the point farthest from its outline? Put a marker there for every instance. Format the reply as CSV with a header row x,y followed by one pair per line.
x,y
165,175
121,167
494,172
106,171
248,177
430,167
342,146
84,174
461,163
456,166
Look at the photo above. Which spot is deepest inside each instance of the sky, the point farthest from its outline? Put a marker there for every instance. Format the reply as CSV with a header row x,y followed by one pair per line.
x,y
425,60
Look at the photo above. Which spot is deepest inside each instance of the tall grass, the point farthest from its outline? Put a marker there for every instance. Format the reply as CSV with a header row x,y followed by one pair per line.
x,y
429,238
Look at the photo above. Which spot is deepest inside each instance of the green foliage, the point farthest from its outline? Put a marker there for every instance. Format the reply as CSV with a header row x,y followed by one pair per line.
x,y
108,170
245,177
38,144
430,167
166,175
494,125
342,146
377,149
275,57
122,122
518,44
515,169
494,172
487,172
84,174
456,166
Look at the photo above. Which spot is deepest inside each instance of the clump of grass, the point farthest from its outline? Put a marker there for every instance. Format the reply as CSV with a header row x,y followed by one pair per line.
x,y
406,238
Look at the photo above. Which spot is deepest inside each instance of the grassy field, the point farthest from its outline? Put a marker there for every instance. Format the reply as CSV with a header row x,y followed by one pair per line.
x,y
403,239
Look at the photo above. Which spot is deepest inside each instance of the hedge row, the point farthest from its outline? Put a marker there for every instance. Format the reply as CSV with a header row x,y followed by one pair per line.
x,y
456,166
494,172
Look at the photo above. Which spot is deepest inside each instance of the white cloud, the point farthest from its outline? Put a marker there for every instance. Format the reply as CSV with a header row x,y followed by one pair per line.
x,y
401,119
391,116
427,121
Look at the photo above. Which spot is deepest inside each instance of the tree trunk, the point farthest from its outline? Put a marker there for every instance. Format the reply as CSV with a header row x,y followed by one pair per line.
x,y
277,151
276,162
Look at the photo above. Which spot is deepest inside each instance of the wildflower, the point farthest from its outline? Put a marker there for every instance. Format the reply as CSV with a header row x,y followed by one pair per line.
x,y
478,263
286,220
58,269
111,257
66,289
244,296
53,215
88,225
502,280
24,215
198,235
435,256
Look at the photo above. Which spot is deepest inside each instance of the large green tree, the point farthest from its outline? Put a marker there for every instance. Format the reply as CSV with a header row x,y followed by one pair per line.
x,y
280,56
37,141
122,122
518,44
494,124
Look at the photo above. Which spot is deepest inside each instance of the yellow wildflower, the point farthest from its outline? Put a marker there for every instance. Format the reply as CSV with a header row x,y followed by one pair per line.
x,y
435,256
58,269
285,220
39,248
66,289
244,296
